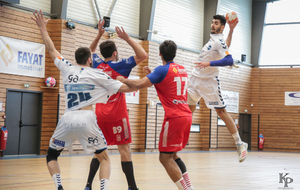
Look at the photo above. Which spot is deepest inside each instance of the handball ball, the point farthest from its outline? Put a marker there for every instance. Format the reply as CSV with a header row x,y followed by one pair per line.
x,y
231,17
50,82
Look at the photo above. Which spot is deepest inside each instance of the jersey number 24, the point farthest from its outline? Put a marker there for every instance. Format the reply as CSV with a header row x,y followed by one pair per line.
x,y
73,97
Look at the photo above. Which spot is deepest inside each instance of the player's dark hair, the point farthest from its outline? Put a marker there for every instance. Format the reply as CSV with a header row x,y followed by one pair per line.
x,y
168,50
82,54
221,18
107,48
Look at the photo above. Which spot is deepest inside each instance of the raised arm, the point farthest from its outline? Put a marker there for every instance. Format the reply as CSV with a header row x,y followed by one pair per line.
x,y
136,83
101,31
140,54
231,26
41,23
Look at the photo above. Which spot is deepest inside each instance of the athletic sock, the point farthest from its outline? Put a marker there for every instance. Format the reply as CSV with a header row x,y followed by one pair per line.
x,y
181,184
94,166
237,138
104,184
127,168
57,180
187,180
184,172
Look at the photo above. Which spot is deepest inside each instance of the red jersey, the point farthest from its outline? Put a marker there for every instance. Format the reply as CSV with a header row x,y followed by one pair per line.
x,y
171,82
115,109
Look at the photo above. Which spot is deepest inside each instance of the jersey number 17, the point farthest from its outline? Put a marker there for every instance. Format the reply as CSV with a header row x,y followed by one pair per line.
x,y
179,81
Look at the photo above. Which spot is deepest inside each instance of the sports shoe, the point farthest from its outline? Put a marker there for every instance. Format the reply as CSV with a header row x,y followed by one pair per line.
x,y
242,150
87,188
60,188
130,189
191,188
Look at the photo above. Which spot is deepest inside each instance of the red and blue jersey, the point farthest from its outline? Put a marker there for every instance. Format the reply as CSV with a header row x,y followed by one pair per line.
x,y
115,109
171,82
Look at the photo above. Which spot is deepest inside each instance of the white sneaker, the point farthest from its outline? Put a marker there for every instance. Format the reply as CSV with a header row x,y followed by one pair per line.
x,y
242,150
191,188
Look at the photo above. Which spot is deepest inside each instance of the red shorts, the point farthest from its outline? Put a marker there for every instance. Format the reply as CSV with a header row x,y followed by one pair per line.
x,y
175,134
116,133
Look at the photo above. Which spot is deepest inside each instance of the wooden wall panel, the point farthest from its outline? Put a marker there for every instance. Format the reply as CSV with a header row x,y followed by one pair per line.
x,y
279,124
255,94
19,25
201,116
214,129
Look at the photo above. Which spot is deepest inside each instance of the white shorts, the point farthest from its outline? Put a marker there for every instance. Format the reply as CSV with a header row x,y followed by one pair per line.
x,y
81,125
209,89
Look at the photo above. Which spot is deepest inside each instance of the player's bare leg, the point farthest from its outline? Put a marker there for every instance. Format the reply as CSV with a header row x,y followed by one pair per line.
x,y
104,172
94,166
125,152
127,165
192,108
223,114
241,146
54,171
53,167
127,168
173,170
183,170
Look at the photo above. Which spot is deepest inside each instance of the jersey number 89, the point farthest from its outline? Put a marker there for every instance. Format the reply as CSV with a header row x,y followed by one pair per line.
x,y
117,129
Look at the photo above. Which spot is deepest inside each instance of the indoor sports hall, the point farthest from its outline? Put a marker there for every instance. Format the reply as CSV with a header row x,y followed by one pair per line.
x,y
261,92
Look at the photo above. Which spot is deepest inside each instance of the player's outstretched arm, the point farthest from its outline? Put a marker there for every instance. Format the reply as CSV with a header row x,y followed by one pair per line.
x,y
41,23
231,26
140,54
226,61
101,31
136,83
125,88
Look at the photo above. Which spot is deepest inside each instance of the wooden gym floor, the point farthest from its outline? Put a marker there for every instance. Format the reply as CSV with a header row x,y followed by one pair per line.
x,y
213,170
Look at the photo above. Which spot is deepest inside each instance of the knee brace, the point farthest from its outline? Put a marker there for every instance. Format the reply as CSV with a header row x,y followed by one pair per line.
x,y
52,154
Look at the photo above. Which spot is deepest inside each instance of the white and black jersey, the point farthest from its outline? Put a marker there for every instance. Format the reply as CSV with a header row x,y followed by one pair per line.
x,y
84,85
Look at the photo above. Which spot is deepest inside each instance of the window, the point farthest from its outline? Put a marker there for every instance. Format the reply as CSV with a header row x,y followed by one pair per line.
x,y
221,123
280,42
180,21
195,128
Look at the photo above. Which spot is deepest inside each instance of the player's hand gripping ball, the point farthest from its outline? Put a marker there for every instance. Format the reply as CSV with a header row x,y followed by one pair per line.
x,y
50,82
231,17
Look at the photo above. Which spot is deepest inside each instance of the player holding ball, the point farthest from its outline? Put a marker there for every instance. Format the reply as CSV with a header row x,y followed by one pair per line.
x,y
205,82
